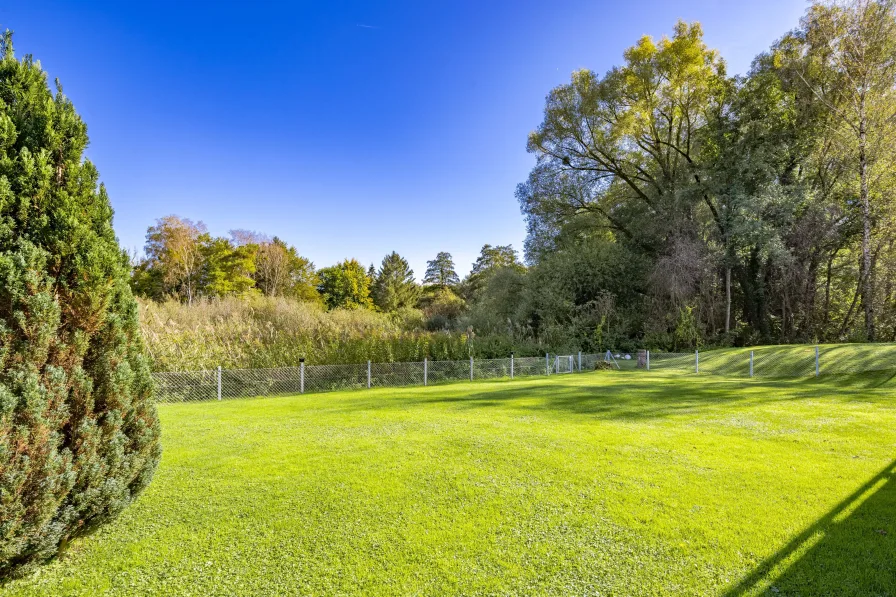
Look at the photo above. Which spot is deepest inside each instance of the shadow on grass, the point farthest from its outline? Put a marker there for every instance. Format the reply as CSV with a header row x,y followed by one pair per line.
x,y
636,396
849,551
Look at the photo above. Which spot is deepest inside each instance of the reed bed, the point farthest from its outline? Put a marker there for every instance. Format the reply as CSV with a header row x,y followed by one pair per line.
x,y
277,332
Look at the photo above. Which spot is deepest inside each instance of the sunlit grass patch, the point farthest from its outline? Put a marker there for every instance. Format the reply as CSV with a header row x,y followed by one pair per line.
x,y
600,483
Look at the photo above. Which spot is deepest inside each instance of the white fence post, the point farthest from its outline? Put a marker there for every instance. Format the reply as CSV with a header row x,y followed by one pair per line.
x,y
751,363
368,375
547,363
817,369
696,361
471,368
425,371
648,360
580,361
301,376
219,382
511,365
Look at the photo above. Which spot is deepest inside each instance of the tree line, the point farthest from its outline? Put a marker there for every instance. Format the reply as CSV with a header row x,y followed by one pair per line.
x,y
183,262
671,206
748,209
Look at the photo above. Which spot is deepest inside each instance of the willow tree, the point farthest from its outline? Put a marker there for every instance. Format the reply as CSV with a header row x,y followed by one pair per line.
x,y
626,150
79,436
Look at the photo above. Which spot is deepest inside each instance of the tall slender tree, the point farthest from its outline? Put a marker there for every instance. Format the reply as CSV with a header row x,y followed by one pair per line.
x,y
850,68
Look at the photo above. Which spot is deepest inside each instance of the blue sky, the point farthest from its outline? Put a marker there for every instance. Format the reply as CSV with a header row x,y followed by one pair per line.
x,y
349,129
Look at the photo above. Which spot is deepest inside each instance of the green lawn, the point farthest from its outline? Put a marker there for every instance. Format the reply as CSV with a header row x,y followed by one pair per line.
x,y
606,483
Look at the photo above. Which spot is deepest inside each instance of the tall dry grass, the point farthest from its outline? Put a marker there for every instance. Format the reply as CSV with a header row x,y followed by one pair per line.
x,y
277,332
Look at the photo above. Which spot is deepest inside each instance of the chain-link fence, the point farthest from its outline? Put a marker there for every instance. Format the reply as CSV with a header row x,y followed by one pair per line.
x,y
220,384
765,362
779,361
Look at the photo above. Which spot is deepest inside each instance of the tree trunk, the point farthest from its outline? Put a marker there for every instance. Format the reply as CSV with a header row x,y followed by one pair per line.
x,y
753,278
727,299
867,269
826,313
845,325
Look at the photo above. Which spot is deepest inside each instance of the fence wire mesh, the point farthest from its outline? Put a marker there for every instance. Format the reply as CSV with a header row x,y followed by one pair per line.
x,y
529,366
325,378
491,368
186,386
236,383
768,362
671,361
395,375
860,358
448,371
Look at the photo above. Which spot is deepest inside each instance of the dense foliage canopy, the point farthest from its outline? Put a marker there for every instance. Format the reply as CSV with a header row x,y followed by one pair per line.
x,y
758,206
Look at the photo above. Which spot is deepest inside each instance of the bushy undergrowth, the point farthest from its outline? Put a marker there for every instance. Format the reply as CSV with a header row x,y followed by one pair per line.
x,y
277,332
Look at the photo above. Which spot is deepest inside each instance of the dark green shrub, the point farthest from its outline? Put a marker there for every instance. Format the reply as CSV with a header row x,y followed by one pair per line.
x,y
79,436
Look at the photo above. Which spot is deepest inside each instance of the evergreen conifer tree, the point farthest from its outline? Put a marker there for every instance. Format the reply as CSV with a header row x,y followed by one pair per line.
x,y
440,271
79,436
394,286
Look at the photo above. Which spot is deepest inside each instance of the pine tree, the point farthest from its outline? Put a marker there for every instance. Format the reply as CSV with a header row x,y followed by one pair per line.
x,y
79,436
394,286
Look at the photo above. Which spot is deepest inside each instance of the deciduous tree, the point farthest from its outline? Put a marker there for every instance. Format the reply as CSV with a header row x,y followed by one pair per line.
x,y
174,249
850,68
345,285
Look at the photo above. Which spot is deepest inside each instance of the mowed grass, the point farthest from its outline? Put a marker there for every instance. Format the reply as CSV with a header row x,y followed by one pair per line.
x,y
604,483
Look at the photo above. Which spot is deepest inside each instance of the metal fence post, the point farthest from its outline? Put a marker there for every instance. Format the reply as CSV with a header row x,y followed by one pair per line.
x,y
696,361
580,361
511,365
547,363
471,368
219,382
648,360
425,371
368,375
301,376
816,362
751,363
